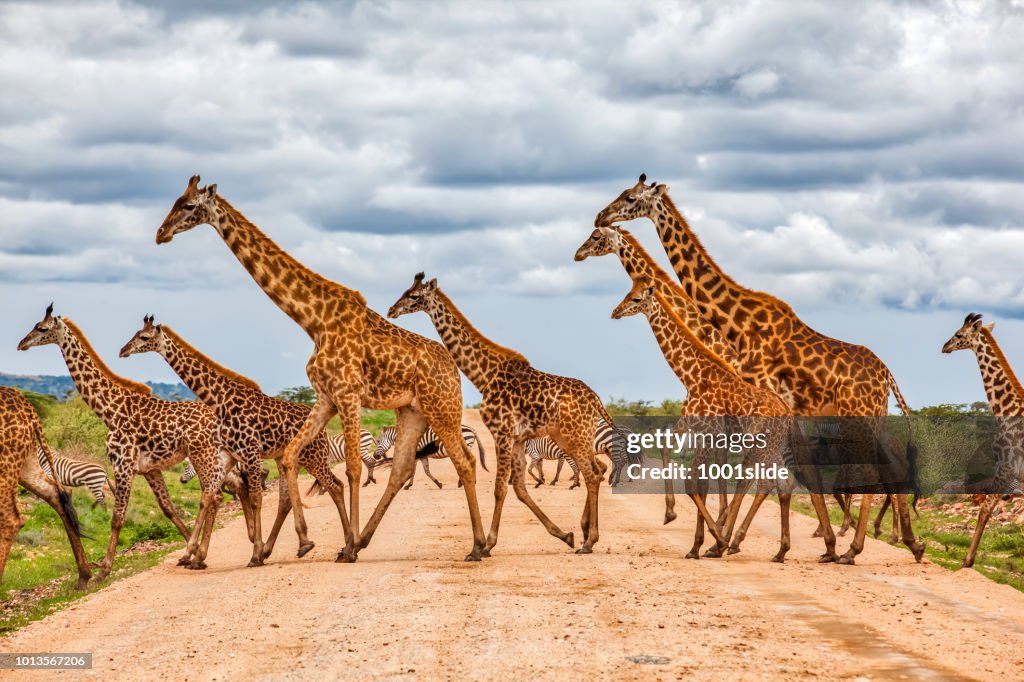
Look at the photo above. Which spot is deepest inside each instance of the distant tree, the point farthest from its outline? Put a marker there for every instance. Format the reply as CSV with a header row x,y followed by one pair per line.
x,y
975,409
298,394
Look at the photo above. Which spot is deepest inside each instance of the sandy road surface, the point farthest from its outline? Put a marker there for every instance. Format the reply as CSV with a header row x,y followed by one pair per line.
x,y
410,608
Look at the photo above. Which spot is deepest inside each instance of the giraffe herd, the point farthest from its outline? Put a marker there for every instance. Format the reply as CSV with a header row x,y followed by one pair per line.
x,y
742,356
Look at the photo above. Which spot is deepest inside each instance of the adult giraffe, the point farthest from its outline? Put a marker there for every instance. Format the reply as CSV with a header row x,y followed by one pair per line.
x,y
359,360
821,375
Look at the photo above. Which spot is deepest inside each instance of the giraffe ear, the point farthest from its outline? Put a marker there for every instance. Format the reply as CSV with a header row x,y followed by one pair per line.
x,y
990,326
660,189
432,284
211,191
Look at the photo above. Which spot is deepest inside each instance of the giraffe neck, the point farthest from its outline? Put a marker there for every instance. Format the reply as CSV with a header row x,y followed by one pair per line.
x,y
213,384
689,362
1004,391
639,264
102,390
478,357
301,293
711,289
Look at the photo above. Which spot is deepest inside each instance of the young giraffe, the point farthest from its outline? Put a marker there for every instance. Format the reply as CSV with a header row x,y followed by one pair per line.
x,y
251,427
359,360
145,436
21,438
639,265
519,403
1006,398
714,390
823,375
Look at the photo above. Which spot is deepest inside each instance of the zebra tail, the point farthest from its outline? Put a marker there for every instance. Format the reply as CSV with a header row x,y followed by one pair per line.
x,y
480,453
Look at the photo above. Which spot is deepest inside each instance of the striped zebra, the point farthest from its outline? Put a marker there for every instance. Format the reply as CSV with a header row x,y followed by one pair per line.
x,y
540,449
428,447
336,453
189,473
75,472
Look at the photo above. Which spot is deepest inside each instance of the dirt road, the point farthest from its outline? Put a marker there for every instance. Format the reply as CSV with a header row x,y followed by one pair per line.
x,y
635,609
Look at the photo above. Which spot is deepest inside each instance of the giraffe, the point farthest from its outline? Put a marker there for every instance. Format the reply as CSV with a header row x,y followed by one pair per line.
x,y
639,265
21,438
822,375
359,360
714,389
1006,398
145,435
251,427
519,403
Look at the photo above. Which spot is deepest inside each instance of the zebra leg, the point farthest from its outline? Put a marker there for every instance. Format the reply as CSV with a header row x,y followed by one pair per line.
x,y
369,473
558,470
536,470
426,470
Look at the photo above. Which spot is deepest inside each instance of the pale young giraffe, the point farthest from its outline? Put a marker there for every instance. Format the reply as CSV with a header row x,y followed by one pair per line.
x,y
359,360
823,375
1006,398
21,438
145,435
519,403
714,390
251,427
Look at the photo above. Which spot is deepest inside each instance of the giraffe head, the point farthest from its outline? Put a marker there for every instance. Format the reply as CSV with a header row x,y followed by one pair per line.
x,y
416,298
149,339
637,201
639,301
197,206
968,337
602,241
50,329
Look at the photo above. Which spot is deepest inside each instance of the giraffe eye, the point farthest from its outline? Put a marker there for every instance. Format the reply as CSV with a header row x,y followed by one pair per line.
x,y
189,207
631,198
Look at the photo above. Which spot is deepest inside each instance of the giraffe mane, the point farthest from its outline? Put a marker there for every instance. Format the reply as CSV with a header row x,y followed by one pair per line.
x,y
293,262
215,366
691,337
474,332
667,200
634,243
1014,381
108,374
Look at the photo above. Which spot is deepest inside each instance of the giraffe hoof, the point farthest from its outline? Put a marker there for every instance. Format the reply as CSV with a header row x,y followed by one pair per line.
x,y
918,552
471,557
304,549
345,558
585,550
713,553
818,534
254,562
779,558
82,583
184,561
733,549
670,516
828,558
692,554
486,553
842,532
569,539
198,566
846,560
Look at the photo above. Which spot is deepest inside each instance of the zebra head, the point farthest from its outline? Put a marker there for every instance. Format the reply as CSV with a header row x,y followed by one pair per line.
x,y
639,300
601,242
416,298
969,336
148,339
638,201
50,329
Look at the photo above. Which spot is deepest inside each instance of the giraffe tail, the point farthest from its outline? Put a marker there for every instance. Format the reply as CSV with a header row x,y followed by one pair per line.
x,y
915,483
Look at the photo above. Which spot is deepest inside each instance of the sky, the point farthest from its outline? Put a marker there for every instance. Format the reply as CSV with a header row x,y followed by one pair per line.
x,y
862,161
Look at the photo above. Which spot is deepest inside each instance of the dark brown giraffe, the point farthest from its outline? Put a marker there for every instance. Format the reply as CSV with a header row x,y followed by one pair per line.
x,y
821,375
145,435
21,437
251,427
714,390
1006,398
519,403
359,360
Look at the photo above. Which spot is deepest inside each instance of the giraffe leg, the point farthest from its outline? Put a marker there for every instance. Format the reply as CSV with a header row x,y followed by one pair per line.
x,y
519,486
698,530
723,498
123,479
465,465
284,507
862,528
156,482
39,485
979,529
901,518
741,532
10,522
784,541
253,471
670,495
881,515
289,464
350,412
846,504
503,474
412,477
593,481
821,511
426,470
733,513
410,424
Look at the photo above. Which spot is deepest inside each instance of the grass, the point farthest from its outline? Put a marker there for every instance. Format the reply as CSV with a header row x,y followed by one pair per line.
x,y
947,536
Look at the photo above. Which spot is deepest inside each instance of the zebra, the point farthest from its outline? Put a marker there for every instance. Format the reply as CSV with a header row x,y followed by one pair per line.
x,y
428,447
189,472
336,453
539,449
76,472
